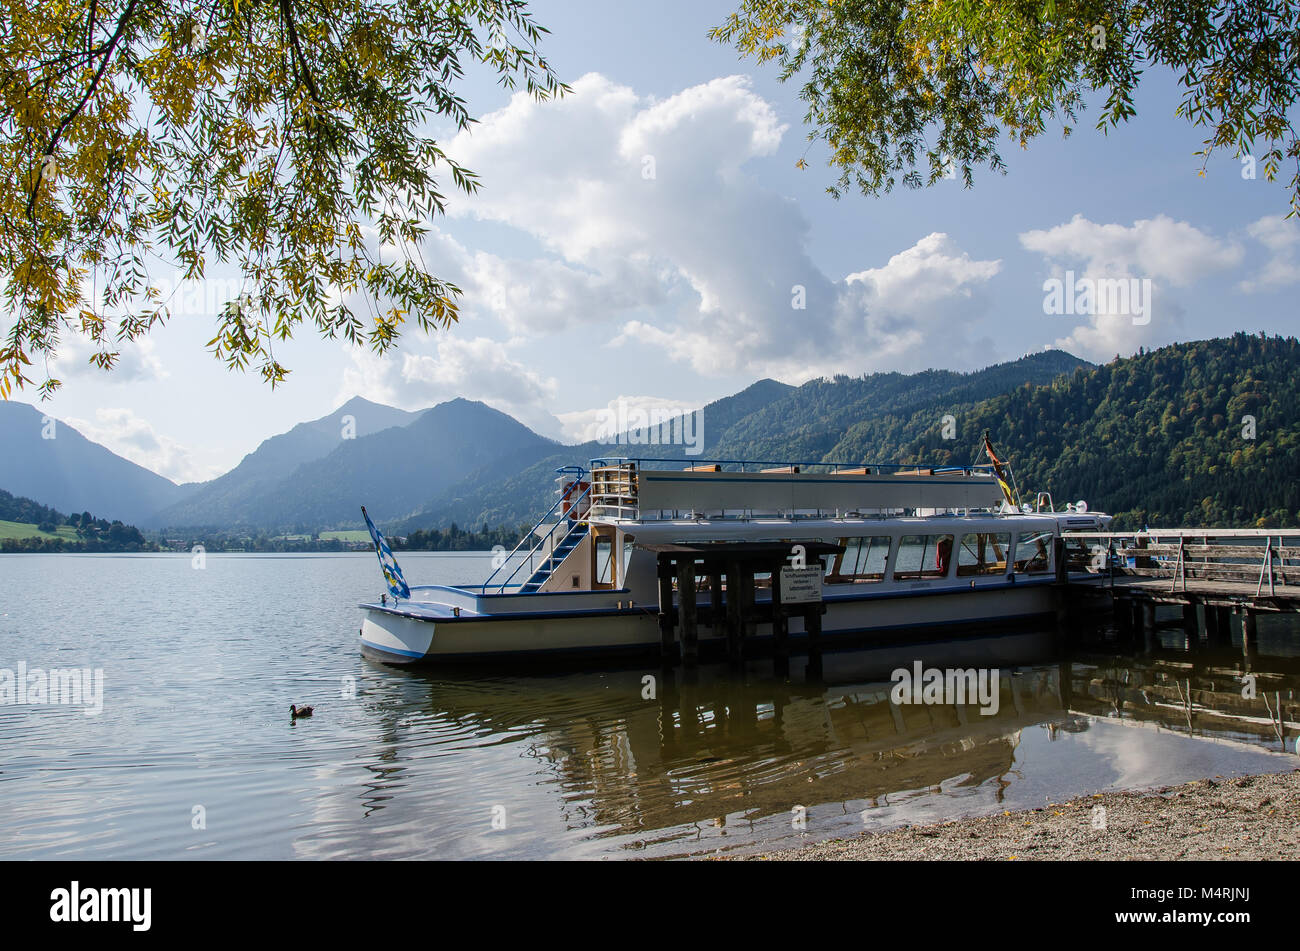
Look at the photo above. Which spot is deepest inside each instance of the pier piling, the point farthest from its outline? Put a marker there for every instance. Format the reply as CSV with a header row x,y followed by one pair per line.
x,y
812,622
780,632
666,647
717,617
1233,575
1150,640
1212,625
1223,618
1249,642
734,612
736,605
686,611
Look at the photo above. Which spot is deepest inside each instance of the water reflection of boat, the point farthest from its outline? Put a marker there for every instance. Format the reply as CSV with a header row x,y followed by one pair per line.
x,y
709,746
1213,697
714,747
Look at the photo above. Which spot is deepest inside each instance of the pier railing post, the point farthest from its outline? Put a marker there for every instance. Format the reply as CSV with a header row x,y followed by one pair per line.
x,y
1266,570
1180,568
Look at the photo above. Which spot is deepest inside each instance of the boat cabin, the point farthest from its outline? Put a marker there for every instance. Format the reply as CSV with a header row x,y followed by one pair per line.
x,y
893,526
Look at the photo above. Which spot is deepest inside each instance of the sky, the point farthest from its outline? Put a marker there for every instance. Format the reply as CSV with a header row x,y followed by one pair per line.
x,y
650,239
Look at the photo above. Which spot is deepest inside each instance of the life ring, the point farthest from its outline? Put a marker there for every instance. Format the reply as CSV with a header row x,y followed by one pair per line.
x,y
574,488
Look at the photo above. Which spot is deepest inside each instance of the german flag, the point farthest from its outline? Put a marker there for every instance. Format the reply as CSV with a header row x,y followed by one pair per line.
x,y
997,470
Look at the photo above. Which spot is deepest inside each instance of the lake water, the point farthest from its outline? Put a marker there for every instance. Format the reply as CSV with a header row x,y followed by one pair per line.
x,y
194,753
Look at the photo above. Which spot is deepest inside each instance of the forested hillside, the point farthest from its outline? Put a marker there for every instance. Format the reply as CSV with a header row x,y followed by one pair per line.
x,y
27,526
1205,433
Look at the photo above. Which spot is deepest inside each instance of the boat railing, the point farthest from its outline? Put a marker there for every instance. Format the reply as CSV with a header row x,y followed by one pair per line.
x,y
634,463
571,503
614,489
615,482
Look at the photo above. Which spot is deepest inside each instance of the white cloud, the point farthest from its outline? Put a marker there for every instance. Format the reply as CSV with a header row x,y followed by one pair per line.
x,y
474,368
1166,252
658,229
1281,240
910,313
546,296
1159,248
138,361
134,438
630,412
914,305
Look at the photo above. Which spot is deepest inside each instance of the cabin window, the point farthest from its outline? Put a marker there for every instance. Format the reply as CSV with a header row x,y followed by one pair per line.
x,y
628,548
863,559
923,556
1079,557
604,559
983,553
1034,552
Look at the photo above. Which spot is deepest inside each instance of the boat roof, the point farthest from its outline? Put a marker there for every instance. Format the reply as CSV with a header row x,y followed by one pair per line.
x,y
649,488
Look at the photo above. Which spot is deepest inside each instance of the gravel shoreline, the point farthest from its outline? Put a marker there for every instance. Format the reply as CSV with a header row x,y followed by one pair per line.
x,y
1250,817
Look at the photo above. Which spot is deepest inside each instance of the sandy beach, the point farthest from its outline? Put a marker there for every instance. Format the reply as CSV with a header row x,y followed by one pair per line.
x,y
1250,817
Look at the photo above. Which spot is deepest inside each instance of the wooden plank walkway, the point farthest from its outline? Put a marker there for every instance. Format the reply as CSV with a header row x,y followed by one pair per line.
x,y
1236,568
1221,578
1208,591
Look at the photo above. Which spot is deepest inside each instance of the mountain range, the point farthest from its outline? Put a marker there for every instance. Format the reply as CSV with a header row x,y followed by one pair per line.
x,y
49,461
1152,437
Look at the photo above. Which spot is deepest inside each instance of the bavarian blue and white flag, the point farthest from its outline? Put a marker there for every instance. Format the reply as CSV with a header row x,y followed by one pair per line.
x,y
387,563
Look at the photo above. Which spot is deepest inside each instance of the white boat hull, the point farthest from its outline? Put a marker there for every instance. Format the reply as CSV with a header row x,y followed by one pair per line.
x,y
421,634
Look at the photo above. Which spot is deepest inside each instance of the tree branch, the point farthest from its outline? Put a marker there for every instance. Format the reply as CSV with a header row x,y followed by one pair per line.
x,y
90,91
299,60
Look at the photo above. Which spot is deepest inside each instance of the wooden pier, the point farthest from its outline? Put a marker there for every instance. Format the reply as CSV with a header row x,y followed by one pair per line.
x,y
1221,579
728,574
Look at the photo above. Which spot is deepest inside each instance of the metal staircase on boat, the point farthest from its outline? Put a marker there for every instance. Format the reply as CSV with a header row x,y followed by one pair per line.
x,y
569,542
574,500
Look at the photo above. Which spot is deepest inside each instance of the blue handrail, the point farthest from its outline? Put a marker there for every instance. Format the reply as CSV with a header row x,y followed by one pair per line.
x,y
542,540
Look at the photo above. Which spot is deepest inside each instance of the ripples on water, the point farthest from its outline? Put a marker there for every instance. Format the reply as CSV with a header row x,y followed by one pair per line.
x,y
200,668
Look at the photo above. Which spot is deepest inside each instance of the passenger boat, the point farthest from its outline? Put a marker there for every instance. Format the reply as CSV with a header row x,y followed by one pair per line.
x,y
908,549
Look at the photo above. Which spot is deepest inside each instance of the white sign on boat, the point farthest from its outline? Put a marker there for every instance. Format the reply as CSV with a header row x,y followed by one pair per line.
x,y
801,585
